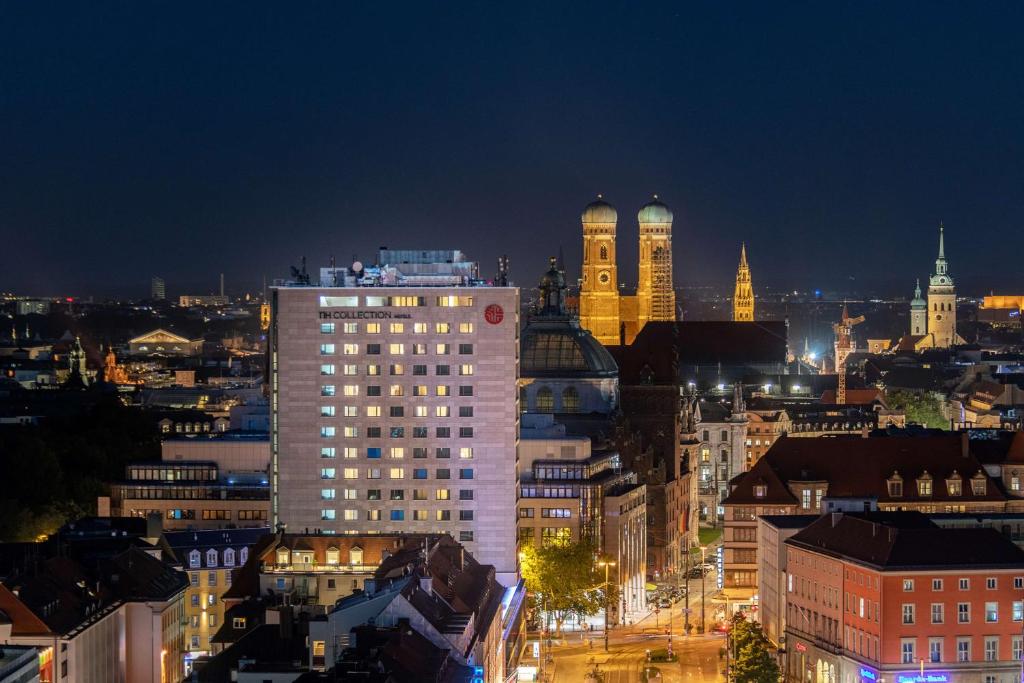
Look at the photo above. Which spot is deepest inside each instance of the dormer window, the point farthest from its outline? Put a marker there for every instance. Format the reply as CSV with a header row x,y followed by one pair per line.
x,y
211,558
924,484
895,485
333,556
282,556
760,491
229,557
979,485
194,558
243,556
954,485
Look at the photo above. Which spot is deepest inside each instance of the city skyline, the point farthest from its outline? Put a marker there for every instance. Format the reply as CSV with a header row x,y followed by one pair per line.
x,y
315,134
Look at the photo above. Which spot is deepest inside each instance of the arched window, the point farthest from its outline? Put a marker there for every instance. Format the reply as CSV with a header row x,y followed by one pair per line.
x,y
229,557
570,400
194,558
333,556
604,252
282,556
243,555
211,558
355,555
545,400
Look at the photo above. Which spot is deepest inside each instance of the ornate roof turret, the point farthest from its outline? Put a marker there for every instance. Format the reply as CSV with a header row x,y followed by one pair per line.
x,y
941,277
599,211
654,211
918,303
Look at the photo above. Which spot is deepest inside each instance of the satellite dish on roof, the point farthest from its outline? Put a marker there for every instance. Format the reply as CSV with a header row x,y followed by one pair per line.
x,y
357,266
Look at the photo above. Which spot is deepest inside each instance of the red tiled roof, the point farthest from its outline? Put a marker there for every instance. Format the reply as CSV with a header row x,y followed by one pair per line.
x,y
861,397
23,621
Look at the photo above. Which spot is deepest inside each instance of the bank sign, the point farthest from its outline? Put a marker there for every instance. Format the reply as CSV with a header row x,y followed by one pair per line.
x,y
926,677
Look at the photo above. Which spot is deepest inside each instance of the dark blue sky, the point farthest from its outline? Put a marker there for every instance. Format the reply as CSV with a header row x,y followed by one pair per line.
x,y
185,139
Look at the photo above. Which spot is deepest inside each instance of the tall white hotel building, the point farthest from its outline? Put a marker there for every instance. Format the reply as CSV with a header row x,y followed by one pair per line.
x,y
394,405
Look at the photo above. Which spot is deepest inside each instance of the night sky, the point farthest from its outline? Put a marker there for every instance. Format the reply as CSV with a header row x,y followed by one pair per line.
x,y
186,139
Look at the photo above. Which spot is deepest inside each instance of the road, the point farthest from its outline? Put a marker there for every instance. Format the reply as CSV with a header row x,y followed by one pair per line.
x,y
628,645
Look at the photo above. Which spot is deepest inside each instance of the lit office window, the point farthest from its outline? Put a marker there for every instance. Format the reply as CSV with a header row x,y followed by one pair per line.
x,y
327,349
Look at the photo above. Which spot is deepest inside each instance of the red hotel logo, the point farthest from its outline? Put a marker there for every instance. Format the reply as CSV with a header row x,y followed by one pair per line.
x,y
494,314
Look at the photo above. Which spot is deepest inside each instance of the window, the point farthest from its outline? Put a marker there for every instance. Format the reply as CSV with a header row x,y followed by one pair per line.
x,y
466,369
194,558
351,472
465,536
419,390
443,370
570,400
372,328
419,473
442,494
525,513
443,474
963,649
193,578
419,328
327,369
954,486
442,411
442,328
397,494
396,369
465,390
211,578
326,328
352,390
545,400
937,612
990,583
327,390
935,650
965,584
327,494
442,390
327,473
327,432
350,328
924,485
991,648
373,452
1018,610
991,612
397,473
443,453
465,411
327,349
238,623
465,494
465,515
419,349
1017,648
907,651
937,585
908,585
979,485
419,370
1018,582
963,613
895,485
466,453
396,349
373,515
465,432
805,499
396,390
397,515
443,432
760,490
908,613
465,349
373,350
327,514
465,474
466,328
443,350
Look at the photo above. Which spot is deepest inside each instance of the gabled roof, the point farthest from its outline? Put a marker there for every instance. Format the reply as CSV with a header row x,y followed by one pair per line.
x,y
856,467
159,336
23,621
855,396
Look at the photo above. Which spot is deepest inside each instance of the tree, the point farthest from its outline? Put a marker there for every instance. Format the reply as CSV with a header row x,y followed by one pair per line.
x,y
923,409
563,579
754,660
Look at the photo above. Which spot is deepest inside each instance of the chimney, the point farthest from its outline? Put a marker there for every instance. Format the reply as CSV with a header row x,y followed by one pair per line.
x,y
836,516
965,443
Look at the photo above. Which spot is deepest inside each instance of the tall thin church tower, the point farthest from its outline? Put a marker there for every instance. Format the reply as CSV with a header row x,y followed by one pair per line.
x,y
656,296
599,293
743,296
942,300
918,313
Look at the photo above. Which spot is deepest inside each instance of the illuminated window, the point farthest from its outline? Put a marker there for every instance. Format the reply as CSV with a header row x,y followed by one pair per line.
x,y
420,411
466,453
327,369
397,369
396,390
327,514
419,349
443,349
570,400
326,349
442,390
397,328
545,400
326,411
326,328
339,301
327,473
327,432
397,452
396,348
466,328
397,473
351,472
442,494
454,301
351,515
466,369
350,390
350,369
442,411
442,328
372,328
350,494
372,411
373,515
373,370
350,432
327,494
419,328
333,556
350,411
350,328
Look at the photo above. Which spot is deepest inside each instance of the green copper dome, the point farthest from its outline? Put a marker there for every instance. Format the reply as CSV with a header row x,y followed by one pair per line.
x,y
654,211
599,211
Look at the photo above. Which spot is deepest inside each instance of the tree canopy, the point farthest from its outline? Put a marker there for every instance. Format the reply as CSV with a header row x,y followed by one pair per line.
x,y
565,580
923,409
754,657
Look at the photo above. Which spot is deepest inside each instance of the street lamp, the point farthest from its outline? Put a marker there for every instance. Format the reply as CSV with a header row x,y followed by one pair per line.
x,y
606,564
703,585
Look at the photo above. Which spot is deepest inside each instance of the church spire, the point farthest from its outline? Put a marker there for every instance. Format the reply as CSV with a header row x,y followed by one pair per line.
x,y
743,295
743,255
940,262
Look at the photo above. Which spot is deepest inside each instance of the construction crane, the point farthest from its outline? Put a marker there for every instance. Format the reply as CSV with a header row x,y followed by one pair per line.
x,y
844,347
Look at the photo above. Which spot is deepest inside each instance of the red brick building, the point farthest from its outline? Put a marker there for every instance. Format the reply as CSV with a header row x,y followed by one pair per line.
x,y
882,596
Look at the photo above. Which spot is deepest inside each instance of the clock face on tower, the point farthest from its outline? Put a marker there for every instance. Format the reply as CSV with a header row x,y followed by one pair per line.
x,y
603,277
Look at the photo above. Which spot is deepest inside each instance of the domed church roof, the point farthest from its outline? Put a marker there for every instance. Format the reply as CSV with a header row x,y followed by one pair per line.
x,y
554,345
654,211
599,211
